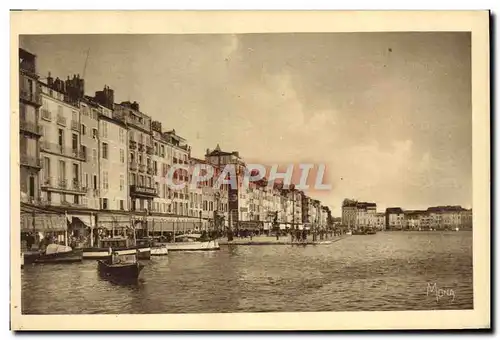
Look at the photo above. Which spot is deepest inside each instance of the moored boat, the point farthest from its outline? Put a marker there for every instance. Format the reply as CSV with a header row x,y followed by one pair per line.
x,y
120,267
54,253
120,245
349,233
192,242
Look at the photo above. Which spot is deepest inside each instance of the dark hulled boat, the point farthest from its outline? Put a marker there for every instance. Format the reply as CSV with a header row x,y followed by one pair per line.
x,y
120,267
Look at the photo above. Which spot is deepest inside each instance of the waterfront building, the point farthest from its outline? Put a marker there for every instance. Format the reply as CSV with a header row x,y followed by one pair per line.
x,y
349,213
237,197
466,219
180,152
60,145
449,217
112,154
379,221
29,128
394,218
141,185
89,132
162,163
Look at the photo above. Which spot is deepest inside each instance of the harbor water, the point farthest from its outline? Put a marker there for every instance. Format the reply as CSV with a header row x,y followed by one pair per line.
x,y
385,271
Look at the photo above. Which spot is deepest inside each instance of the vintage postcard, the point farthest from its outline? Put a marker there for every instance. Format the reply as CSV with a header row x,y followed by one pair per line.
x,y
250,170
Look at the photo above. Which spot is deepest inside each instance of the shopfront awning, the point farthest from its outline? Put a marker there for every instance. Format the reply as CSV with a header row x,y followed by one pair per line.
x,y
43,223
87,220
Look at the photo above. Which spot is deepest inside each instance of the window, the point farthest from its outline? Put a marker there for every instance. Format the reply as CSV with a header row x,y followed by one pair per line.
x,y
104,130
46,168
86,180
95,182
105,150
122,136
84,152
122,205
75,199
122,182
94,133
162,153
61,137
105,184
83,129
132,179
94,156
59,110
122,156
141,180
74,141
104,203
76,173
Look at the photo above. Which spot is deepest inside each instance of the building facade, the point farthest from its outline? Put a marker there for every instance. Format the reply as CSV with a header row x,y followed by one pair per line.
x,y
60,146
394,218
29,128
142,190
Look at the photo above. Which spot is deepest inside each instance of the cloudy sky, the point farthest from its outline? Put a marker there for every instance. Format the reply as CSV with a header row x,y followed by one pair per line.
x,y
389,114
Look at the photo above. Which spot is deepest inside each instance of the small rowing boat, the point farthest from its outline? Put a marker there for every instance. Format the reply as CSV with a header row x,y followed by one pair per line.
x,y
121,267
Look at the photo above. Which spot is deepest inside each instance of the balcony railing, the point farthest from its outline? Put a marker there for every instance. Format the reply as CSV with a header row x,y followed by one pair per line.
x,y
132,144
61,120
133,166
142,167
60,150
30,96
31,127
31,161
74,125
63,184
46,114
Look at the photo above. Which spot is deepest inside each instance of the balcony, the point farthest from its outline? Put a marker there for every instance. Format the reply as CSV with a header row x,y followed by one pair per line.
x,y
75,126
30,97
63,185
46,114
62,151
30,127
139,190
142,167
61,120
133,166
132,144
149,150
30,161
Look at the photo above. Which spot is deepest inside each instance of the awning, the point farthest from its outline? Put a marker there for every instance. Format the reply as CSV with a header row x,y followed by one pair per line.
x,y
43,223
88,220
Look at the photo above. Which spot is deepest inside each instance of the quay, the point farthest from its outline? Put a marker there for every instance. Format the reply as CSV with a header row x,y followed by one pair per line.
x,y
271,240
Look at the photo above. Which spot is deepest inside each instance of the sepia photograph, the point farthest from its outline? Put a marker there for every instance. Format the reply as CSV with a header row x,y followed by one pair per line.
x,y
235,172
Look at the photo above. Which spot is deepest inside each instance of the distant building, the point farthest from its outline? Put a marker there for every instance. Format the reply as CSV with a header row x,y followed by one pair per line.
x,y
379,221
358,214
449,217
394,218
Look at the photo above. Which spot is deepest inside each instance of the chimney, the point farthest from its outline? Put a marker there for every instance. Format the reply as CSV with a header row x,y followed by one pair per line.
x,y
50,80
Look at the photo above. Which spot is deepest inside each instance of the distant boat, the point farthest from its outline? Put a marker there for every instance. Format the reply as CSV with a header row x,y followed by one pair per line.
x,y
54,253
120,267
157,248
121,245
191,242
